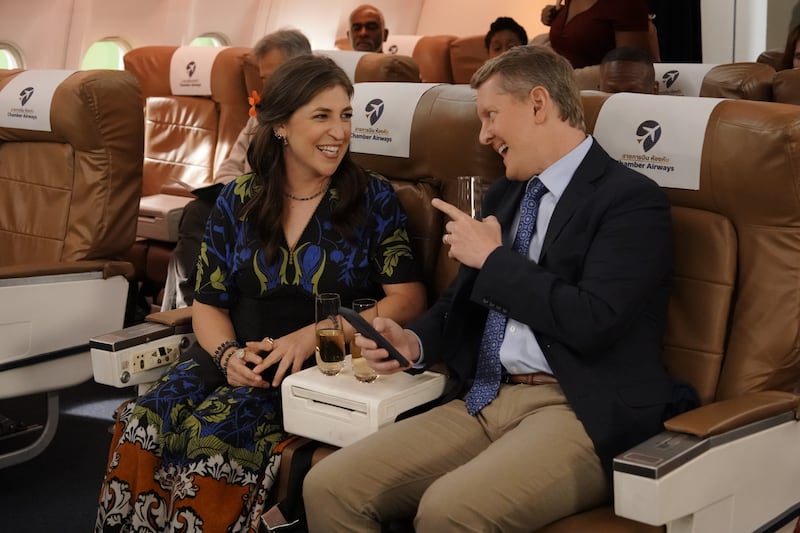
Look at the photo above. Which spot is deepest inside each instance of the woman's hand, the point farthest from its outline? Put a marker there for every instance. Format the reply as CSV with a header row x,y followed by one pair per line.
x,y
549,13
288,352
237,369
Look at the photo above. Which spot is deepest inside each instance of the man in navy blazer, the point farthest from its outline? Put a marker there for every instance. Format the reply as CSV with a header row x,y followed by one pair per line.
x,y
583,312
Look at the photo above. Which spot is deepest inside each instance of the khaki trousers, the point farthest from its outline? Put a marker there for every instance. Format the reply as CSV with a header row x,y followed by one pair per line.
x,y
523,462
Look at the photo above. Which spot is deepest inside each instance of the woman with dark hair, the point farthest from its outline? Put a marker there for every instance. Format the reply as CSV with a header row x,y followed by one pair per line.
x,y
195,452
791,54
504,33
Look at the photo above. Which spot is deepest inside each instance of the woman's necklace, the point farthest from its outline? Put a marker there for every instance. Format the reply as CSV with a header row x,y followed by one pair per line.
x,y
307,198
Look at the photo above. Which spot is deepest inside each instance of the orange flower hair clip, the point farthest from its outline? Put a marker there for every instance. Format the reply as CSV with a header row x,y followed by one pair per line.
x,y
254,99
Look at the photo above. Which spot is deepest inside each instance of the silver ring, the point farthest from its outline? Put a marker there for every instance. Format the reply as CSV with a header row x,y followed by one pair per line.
x,y
240,353
270,340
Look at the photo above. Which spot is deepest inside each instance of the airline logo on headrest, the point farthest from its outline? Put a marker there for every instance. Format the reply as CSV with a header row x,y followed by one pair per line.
x,y
393,49
23,111
648,133
670,77
374,109
25,95
190,68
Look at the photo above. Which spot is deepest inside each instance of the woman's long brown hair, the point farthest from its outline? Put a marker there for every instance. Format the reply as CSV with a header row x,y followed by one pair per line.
x,y
293,85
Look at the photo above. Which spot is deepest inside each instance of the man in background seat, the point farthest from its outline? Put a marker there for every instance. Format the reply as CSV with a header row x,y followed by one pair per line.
x,y
270,52
367,31
628,69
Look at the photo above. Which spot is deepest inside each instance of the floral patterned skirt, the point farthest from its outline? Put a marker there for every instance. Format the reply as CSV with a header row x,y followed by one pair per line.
x,y
193,454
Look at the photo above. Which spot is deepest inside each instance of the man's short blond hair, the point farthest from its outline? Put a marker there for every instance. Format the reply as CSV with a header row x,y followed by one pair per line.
x,y
524,67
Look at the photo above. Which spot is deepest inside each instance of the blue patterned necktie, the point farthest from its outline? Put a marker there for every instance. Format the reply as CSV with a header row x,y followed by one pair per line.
x,y
487,375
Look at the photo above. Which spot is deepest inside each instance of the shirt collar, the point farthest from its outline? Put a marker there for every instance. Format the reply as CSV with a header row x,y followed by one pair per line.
x,y
557,176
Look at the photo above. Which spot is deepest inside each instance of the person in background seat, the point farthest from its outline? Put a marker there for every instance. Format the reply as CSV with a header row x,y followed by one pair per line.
x,y
583,31
194,453
504,33
628,69
791,53
270,52
551,331
367,31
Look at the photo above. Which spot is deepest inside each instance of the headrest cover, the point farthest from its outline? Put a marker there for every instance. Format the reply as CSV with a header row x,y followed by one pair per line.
x,y
346,59
401,44
382,116
660,136
681,79
25,101
190,70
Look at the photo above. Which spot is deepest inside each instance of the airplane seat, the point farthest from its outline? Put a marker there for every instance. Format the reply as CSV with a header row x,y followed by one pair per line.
x,y
434,162
786,86
430,52
69,191
772,57
467,54
188,134
733,321
364,67
746,80
588,78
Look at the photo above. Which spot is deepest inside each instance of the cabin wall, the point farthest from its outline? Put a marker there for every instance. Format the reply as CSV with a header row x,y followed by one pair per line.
x,y
57,33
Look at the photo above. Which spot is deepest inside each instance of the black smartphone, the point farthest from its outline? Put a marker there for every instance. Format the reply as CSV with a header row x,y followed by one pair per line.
x,y
366,329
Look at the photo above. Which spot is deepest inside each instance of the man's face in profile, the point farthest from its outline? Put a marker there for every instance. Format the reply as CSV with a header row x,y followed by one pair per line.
x,y
627,77
366,31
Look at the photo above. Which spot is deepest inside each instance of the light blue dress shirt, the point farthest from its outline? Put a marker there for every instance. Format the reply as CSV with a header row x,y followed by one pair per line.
x,y
520,352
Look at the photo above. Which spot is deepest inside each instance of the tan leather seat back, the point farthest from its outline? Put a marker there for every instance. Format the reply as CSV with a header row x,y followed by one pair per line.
x,y
444,145
747,81
786,86
188,137
735,306
73,193
384,67
773,58
467,54
432,54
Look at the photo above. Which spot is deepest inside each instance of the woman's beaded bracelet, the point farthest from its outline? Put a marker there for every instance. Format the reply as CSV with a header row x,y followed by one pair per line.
x,y
220,351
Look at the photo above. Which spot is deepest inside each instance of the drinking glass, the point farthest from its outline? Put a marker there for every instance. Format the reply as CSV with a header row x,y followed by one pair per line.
x,y
470,195
361,369
330,336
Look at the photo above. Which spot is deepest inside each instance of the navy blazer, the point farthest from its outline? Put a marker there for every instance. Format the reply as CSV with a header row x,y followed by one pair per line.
x,y
596,300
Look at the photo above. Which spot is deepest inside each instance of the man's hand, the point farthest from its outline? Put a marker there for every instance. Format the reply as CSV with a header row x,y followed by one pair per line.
x,y
471,241
405,342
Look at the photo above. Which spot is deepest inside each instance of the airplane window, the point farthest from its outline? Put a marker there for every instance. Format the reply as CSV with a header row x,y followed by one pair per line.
x,y
9,57
105,54
209,39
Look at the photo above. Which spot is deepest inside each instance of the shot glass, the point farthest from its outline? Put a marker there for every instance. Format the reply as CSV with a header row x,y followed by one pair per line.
x,y
470,195
330,335
361,369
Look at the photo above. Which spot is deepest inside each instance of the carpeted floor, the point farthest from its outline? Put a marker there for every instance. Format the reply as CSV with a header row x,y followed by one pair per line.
x,y
57,490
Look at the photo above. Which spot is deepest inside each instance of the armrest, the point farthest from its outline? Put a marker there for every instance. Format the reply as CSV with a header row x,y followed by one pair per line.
x,y
107,268
174,317
722,416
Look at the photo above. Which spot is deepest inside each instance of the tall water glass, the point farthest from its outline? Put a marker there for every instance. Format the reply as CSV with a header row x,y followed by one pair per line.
x,y
361,369
330,336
